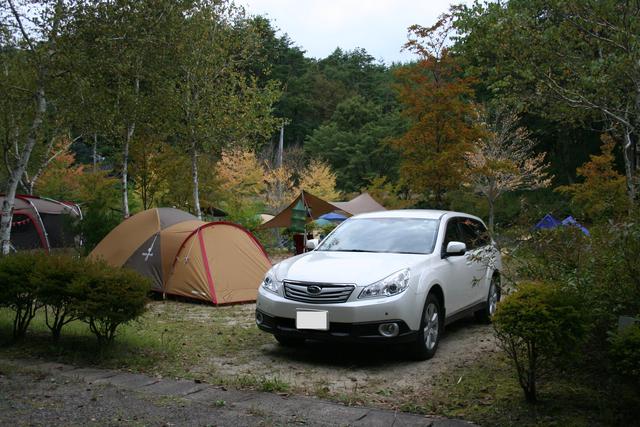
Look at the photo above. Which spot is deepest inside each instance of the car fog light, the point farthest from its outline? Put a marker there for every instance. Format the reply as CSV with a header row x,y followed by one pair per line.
x,y
389,330
259,318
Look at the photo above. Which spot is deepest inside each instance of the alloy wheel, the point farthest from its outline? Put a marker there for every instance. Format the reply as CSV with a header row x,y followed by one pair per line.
x,y
432,326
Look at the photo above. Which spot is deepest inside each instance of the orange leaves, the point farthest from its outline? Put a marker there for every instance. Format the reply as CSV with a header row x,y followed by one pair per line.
x,y
437,100
602,194
319,180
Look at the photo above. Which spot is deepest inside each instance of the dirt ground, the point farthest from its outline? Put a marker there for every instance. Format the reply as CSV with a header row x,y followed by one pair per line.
x,y
353,374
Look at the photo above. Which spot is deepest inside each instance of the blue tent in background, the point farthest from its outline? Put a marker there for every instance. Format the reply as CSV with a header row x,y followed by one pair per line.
x,y
332,216
572,221
548,221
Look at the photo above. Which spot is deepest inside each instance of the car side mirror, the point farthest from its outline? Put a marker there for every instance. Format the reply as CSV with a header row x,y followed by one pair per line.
x,y
456,249
311,244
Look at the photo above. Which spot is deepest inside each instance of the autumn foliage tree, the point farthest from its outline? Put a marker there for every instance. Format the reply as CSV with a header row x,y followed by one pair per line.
x,y
503,160
241,178
319,180
61,179
437,100
602,194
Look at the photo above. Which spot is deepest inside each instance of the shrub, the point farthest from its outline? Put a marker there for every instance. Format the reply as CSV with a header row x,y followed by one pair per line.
x,y
108,297
539,327
625,353
17,289
101,207
54,275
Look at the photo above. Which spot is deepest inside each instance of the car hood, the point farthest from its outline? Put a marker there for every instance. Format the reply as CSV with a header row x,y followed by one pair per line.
x,y
359,268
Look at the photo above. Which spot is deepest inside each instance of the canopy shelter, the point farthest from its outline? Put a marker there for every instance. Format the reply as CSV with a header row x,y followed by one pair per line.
x,y
314,207
41,223
218,262
362,204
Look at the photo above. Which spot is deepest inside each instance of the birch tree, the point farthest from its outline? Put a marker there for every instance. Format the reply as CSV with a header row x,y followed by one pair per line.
x,y
28,49
503,160
123,49
219,104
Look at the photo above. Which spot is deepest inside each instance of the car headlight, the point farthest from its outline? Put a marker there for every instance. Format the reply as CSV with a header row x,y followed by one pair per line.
x,y
270,282
392,285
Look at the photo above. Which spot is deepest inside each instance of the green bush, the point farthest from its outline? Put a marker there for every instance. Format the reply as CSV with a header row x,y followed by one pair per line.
x,y
540,327
54,275
108,297
625,353
18,291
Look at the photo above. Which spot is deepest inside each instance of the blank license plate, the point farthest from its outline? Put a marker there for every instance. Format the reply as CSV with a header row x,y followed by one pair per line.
x,y
312,320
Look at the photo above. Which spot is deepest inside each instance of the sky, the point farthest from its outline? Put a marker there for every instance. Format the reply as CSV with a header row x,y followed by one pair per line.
x,y
379,26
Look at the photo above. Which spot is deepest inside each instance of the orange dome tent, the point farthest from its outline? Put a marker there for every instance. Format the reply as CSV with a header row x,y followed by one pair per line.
x,y
218,262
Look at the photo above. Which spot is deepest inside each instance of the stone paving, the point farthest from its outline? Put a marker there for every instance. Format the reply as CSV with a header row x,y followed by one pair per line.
x,y
197,403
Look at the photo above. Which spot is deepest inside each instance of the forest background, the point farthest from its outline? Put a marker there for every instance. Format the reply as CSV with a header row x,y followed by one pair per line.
x,y
126,105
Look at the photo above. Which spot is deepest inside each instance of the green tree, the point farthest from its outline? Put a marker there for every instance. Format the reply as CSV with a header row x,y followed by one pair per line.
x,y
354,141
576,59
219,105
29,56
123,53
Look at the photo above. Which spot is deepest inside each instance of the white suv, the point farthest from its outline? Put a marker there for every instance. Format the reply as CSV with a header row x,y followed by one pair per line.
x,y
392,276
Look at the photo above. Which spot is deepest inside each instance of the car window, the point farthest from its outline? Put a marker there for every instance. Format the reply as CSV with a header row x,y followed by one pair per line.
x,y
483,234
452,234
474,234
392,235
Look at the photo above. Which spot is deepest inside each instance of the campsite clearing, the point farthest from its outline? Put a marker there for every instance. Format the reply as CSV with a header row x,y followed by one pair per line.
x,y
222,345
467,379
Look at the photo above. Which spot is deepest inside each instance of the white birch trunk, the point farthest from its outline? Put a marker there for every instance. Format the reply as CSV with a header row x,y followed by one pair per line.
x,y
94,153
125,171
125,160
196,182
630,168
18,171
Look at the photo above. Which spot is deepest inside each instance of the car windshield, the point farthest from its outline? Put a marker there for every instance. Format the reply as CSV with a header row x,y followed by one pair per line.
x,y
393,235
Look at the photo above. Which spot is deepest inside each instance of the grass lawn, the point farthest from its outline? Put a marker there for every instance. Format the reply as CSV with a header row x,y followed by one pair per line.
x,y
222,346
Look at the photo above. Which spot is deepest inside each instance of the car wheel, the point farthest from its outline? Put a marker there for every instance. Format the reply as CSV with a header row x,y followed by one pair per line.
x,y
431,328
485,315
289,341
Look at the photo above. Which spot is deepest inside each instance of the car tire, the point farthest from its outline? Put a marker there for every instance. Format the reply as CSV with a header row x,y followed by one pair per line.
x,y
288,341
493,297
431,328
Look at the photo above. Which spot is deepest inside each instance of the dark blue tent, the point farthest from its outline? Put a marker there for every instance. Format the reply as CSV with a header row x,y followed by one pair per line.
x,y
548,221
571,221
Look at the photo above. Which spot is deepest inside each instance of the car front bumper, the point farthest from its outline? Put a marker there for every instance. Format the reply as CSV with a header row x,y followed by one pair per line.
x,y
354,320
346,332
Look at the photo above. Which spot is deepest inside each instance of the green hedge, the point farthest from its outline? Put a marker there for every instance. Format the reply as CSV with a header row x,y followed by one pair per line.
x,y
625,353
540,327
69,289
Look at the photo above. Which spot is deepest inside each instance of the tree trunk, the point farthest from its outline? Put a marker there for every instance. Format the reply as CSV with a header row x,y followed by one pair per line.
x,y
491,214
18,171
94,152
196,183
630,167
125,171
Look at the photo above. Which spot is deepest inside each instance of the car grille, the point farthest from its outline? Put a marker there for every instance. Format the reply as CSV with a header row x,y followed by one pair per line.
x,y
327,294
